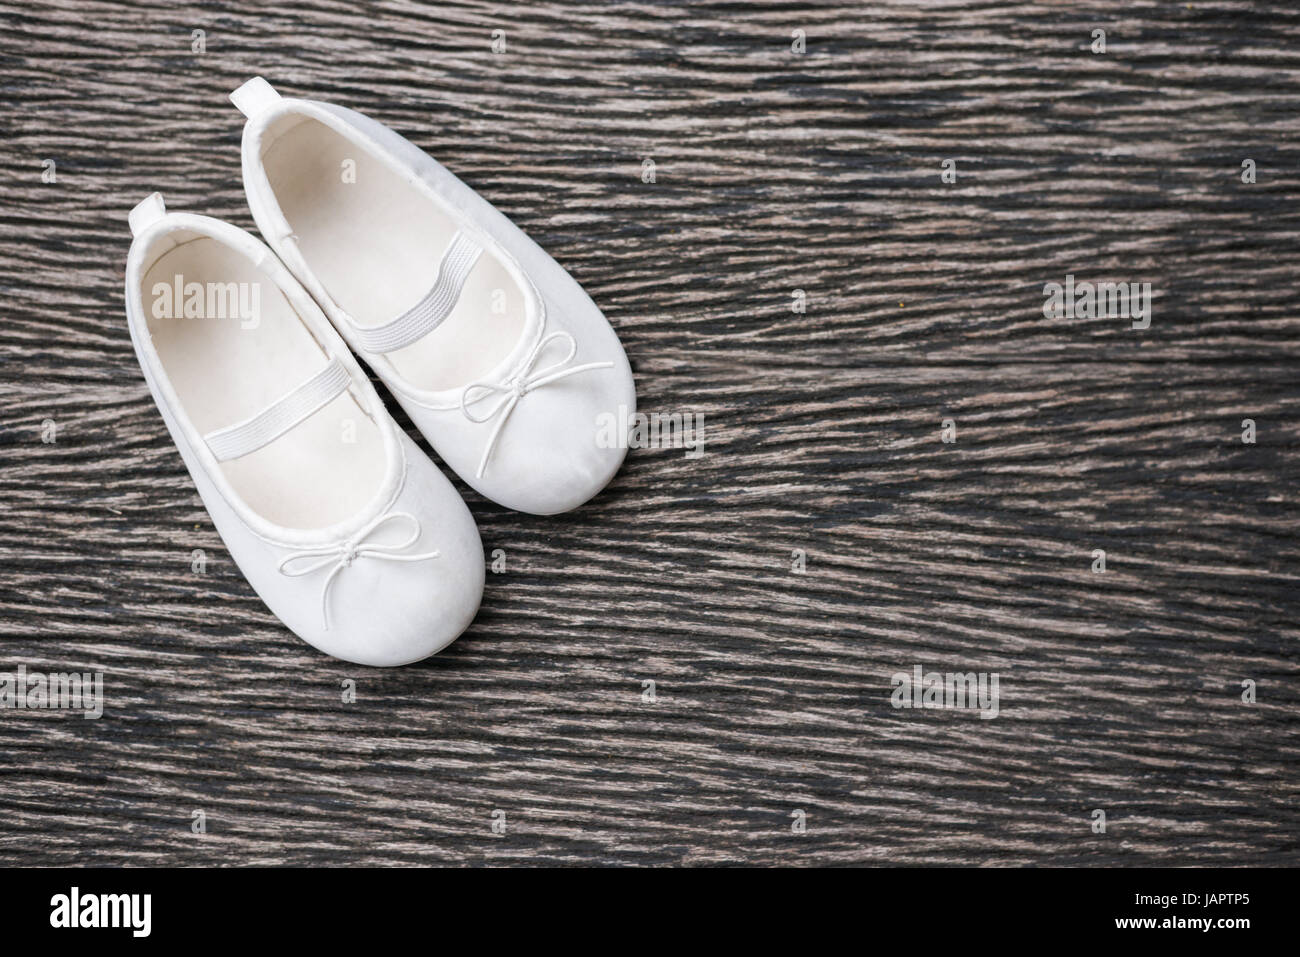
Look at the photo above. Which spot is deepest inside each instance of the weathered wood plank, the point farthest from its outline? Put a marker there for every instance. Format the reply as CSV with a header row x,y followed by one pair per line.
x,y
774,172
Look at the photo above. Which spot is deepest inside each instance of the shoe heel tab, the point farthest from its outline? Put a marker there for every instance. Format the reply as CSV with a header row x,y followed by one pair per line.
x,y
254,96
147,212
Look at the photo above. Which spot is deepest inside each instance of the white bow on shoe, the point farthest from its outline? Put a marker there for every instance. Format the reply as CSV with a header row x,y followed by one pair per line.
x,y
343,554
515,388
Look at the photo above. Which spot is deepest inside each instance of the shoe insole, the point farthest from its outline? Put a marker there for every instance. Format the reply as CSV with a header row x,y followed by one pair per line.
x,y
225,370
375,244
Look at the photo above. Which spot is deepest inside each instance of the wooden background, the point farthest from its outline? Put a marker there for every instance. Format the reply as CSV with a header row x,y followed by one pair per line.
x,y
774,171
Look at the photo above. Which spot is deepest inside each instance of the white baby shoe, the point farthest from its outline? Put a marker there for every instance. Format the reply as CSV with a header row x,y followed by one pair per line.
x,y
495,352
351,536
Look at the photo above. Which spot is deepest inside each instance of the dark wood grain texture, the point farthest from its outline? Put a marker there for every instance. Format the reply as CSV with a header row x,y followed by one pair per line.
x,y
774,171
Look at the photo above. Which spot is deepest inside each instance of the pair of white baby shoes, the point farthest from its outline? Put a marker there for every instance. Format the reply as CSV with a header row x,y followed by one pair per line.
x,y
346,530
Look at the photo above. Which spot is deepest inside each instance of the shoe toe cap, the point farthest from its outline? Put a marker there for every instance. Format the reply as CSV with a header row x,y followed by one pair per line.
x,y
385,613
564,443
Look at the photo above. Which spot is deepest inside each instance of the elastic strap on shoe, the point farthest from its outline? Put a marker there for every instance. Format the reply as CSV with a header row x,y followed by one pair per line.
x,y
281,415
427,314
